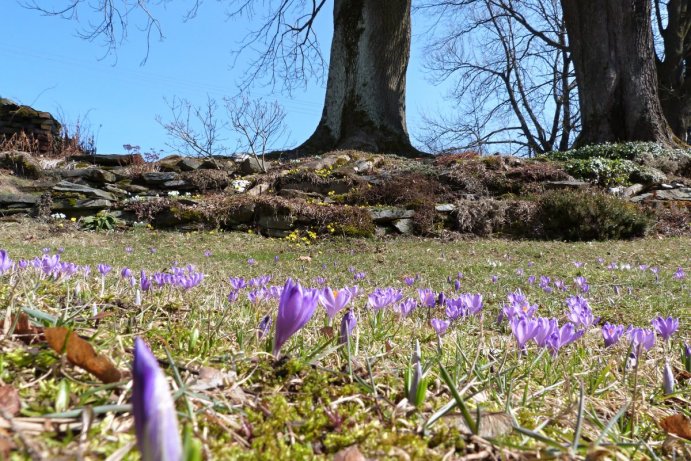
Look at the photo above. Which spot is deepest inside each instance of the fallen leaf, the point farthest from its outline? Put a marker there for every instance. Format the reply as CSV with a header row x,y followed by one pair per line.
x,y
681,375
9,400
6,445
211,378
491,424
678,425
24,330
351,453
82,354
305,258
327,331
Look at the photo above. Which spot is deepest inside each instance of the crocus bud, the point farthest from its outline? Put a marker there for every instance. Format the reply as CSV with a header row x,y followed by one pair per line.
x,y
667,379
347,324
155,420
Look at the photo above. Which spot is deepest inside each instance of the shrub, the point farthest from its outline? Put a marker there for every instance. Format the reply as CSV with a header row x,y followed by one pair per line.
x,y
584,215
101,221
603,171
487,216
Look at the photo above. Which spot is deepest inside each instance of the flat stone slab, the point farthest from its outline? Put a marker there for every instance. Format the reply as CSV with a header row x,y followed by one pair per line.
x,y
445,207
159,177
682,194
18,200
384,215
109,160
66,186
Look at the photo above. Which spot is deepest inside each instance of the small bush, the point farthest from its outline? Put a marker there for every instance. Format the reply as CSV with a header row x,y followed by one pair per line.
x,y
582,215
487,216
603,171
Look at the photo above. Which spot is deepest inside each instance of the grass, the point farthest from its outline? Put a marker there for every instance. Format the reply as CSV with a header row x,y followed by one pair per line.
x,y
319,398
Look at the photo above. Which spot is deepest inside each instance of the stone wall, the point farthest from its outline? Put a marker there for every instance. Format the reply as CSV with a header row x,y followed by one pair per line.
x,y
38,126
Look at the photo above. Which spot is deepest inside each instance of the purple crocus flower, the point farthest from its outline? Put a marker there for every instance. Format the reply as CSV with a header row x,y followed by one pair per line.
x,y
207,253
563,337
494,278
264,327
155,420
578,264
686,357
679,274
348,323
440,326
472,302
251,261
641,337
427,297
545,328
580,312
103,269
126,272
665,327
333,301
383,297
524,329
276,258
531,280
23,263
611,333
405,307
359,276
232,296
5,262
237,283
410,281
582,284
128,250
295,308
144,281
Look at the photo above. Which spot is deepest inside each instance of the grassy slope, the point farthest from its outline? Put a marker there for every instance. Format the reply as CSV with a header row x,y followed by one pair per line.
x,y
309,405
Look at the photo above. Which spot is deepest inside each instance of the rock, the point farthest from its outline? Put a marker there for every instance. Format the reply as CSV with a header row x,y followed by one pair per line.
x,y
94,204
556,185
65,186
18,120
298,194
218,162
190,164
363,166
387,215
110,160
177,184
647,175
323,163
632,190
682,194
22,164
445,208
404,226
170,163
259,189
253,165
18,200
276,222
115,190
134,188
90,174
159,177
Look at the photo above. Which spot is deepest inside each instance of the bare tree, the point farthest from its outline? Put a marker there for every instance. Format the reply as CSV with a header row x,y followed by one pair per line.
x,y
195,130
257,123
512,73
201,131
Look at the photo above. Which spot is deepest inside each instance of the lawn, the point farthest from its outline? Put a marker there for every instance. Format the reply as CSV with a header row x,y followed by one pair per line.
x,y
479,394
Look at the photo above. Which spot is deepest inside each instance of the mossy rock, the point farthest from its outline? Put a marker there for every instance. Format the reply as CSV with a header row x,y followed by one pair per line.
x,y
22,164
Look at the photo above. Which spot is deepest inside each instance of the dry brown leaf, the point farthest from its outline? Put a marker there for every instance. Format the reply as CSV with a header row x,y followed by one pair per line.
x,y
681,375
327,331
678,425
491,424
82,354
9,400
6,445
211,378
305,258
351,453
24,330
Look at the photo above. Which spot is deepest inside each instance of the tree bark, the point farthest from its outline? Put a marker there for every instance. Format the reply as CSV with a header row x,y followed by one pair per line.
x,y
365,92
673,74
611,43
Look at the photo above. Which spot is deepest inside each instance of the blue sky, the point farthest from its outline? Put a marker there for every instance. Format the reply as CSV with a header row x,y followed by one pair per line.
x,y
45,64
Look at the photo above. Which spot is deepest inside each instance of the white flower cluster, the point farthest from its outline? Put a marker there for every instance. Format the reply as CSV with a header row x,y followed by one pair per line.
x,y
58,216
240,185
173,193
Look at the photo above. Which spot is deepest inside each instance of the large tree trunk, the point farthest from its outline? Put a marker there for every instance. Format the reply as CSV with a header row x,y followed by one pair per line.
x,y
365,92
612,47
673,70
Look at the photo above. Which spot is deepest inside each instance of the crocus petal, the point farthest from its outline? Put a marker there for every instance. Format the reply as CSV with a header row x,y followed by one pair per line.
x,y
155,420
